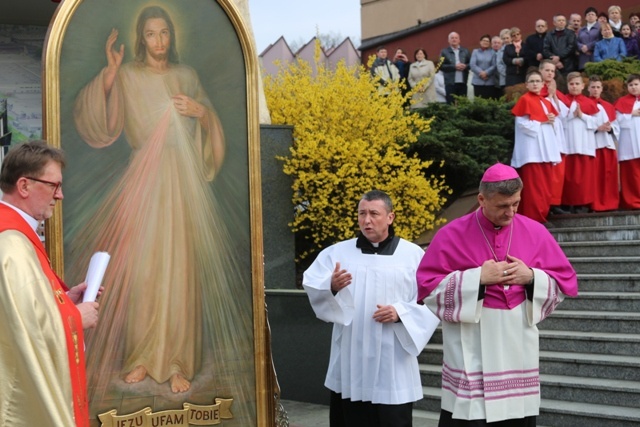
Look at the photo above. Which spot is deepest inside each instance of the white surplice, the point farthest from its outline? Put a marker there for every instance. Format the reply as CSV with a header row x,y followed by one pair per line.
x,y
371,361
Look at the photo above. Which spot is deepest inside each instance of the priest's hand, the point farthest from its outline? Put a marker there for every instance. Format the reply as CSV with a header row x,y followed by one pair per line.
x,y
521,273
89,313
496,273
339,279
386,314
76,293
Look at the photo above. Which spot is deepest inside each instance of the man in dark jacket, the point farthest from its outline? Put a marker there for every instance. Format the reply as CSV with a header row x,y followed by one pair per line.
x,y
534,44
560,46
455,67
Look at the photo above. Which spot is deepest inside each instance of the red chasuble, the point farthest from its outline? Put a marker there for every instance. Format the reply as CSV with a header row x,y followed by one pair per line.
x,y
71,318
530,104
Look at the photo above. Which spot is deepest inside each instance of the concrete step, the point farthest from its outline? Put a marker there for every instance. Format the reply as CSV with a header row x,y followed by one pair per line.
x,y
588,365
594,220
609,282
560,413
606,366
423,418
608,249
603,301
431,400
591,390
589,342
606,265
431,375
593,321
590,234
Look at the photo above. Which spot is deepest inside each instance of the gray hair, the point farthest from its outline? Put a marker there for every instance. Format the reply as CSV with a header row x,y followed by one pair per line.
x,y
372,195
508,187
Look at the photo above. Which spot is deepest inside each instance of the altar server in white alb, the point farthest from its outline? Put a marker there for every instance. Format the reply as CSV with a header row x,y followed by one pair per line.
x,y
367,288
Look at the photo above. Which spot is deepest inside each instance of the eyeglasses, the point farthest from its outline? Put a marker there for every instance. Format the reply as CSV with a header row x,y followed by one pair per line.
x,y
55,185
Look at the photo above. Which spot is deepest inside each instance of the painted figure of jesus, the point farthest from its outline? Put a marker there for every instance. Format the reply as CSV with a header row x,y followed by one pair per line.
x,y
159,221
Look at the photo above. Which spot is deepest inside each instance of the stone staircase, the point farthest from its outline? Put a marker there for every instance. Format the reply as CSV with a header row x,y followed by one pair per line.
x,y
590,346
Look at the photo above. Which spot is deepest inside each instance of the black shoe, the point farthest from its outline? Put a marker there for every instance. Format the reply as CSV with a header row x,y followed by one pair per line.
x,y
582,209
557,210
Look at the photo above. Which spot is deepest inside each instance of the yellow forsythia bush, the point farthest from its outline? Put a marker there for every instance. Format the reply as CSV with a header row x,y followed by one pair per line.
x,y
349,138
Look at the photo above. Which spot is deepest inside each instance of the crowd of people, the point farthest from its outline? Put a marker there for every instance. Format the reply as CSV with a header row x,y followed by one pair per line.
x,y
578,153
502,60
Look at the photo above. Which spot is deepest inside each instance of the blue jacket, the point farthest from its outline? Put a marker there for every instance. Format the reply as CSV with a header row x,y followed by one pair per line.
x,y
483,60
587,38
612,48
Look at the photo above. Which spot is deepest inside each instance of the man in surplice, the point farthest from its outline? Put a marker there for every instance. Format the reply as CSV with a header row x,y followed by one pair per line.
x,y
366,287
491,276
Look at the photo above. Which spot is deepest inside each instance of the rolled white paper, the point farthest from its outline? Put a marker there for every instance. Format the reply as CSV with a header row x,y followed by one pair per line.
x,y
95,273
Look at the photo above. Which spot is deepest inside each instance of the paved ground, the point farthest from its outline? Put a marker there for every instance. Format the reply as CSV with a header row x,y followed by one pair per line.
x,y
303,414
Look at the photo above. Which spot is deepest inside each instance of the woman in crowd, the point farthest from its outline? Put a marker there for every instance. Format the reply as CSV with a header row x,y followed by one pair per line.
x,y
483,66
587,37
633,19
501,67
419,71
615,19
513,58
630,42
603,18
401,62
609,47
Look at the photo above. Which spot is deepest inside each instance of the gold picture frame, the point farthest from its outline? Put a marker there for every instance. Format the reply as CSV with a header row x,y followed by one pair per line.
x,y
223,47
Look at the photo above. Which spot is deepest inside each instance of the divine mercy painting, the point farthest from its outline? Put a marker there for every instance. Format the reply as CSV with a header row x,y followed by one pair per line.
x,y
155,128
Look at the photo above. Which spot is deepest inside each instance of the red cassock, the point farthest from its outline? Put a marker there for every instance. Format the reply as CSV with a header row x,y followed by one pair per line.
x,y
607,193
579,172
629,169
538,178
558,169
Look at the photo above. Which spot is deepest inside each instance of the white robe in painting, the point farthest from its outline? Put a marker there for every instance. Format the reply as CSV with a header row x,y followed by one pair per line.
x,y
171,273
371,361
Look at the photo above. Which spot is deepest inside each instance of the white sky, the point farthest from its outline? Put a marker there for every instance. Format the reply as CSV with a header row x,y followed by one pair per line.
x,y
297,20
